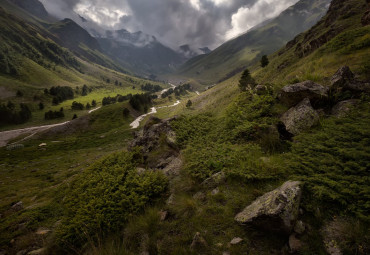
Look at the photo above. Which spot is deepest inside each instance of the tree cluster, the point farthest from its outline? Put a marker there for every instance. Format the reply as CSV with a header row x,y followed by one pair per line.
x,y
50,115
77,106
113,100
141,101
151,88
60,94
9,115
178,91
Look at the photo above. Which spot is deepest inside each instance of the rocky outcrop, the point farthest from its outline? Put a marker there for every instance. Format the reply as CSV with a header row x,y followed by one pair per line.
x,y
157,141
344,80
293,94
275,211
300,118
149,137
342,108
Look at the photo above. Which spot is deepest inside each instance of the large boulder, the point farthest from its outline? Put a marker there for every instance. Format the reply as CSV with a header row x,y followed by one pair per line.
x,y
300,118
291,95
344,80
275,211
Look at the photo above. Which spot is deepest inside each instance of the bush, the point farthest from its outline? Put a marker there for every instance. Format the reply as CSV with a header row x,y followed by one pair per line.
x,y
9,115
50,115
77,106
104,196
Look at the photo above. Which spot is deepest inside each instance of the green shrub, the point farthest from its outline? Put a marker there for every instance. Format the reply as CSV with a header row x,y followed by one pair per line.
x,y
103,197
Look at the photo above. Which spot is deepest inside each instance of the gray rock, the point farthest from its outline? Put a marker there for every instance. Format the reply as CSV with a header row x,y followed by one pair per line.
x,y
291,95
171,200
215,191
17,206
198,242
236,240
300,118
163,215
344,79
341,109
214,180
275,211
333,236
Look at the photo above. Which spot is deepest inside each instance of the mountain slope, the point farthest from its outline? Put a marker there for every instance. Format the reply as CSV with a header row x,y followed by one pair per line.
x,y
140,53
233,56
339,38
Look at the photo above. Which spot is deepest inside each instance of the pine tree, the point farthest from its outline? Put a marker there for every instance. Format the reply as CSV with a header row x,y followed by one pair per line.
x,y
264,61
246,80
189,104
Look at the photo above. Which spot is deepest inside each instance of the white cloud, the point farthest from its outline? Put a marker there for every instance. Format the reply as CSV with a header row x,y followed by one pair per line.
x,y
248,17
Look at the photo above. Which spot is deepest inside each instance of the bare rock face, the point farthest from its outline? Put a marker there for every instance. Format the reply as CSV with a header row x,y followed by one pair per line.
x,y
293,94
344,80
342,108
275,211
300,117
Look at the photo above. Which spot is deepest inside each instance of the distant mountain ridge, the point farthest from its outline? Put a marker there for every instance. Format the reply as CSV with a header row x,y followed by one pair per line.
x,y
238,53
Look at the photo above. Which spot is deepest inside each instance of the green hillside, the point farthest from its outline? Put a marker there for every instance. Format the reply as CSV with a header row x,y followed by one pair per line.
x,y
204,178
236,54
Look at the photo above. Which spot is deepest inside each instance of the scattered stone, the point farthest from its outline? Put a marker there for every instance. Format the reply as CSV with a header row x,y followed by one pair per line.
x,y
37,252
199,196
291,95
198,242
163,215
226,253
17,206
140,171
219,245
171,200
214,180
42,145
215,191
300,118
236,240
274,211
341,109
22,252
299,227
43,231
294,244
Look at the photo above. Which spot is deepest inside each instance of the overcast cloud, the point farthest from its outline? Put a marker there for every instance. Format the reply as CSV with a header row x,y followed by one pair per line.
x,y
174,22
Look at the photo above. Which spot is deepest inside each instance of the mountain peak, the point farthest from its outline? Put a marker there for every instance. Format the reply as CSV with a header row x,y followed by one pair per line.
x,y
34,7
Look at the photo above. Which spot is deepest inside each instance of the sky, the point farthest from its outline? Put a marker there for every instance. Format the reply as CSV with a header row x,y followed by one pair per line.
x,y
198,23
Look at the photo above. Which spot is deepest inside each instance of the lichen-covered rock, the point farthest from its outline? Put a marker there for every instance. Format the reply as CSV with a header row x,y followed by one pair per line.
x,y
291,95
300,118
275,211
261,90
342,108
17,206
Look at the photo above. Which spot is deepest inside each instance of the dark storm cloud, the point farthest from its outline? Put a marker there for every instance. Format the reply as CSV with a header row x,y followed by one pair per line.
x,y
174,22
